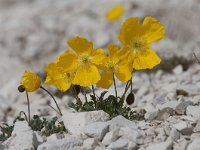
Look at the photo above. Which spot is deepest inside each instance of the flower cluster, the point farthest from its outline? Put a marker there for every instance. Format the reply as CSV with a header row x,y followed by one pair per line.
x,y
84,65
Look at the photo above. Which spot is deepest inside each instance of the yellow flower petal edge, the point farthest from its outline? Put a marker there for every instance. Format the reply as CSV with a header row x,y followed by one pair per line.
x,y
106,80
80,45
115,13
130,28
30,81
68,61
58,77
146,60
137,39
98,56
153,30
86,75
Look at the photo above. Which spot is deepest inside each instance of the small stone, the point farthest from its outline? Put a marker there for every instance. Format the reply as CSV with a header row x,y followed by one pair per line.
x,y
111,136
90,144
197,127
181,144
161,146
174,134
151,115
165,113
181,108
194,145
193,111
75,122
120,121
119,145
191,89
67,143
181,92
96,130
134,135
178,70
184,127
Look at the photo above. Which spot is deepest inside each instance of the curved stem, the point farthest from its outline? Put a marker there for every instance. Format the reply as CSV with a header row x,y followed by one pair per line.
x,y
53,99
115,85
53,108
126,89
29,112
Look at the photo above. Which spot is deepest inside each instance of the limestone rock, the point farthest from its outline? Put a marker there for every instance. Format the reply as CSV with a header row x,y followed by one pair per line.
x,y
75,122
96,130
22,138
68,143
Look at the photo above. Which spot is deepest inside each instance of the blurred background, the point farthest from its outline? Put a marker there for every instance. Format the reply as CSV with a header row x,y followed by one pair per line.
x,y
34,32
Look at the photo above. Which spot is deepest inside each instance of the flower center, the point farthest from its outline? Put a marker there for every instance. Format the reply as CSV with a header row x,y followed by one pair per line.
x,y
68,77
85,59
137,45
111,66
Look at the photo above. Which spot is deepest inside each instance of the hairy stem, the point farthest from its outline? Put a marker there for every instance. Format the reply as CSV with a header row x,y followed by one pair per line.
x,y
115,85
29,112
53,99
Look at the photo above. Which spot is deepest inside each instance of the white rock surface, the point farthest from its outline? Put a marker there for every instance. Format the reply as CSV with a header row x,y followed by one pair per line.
x,y
119,145
120,121
193,111
162,146
194,145
96,130
75,122
132,134
90,143
111,136
68,143
23,138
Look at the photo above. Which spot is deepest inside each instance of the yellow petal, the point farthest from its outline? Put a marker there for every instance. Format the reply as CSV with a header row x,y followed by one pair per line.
x,y
87,75
30,81
106,80
146,60
62,86
115,13
57,77
125,72
80,45
113,52
130,29
153,29
97,56
68,61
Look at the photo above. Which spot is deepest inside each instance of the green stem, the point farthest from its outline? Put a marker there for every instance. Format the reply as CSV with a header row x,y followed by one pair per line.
x,y
53,108
115,86
53,99
29,112
126,89
131,80
93,90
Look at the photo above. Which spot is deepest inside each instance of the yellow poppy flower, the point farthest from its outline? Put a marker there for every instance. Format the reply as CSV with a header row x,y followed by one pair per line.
x,y
137,39
114,64
30,81
84,61
58,76
115,13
